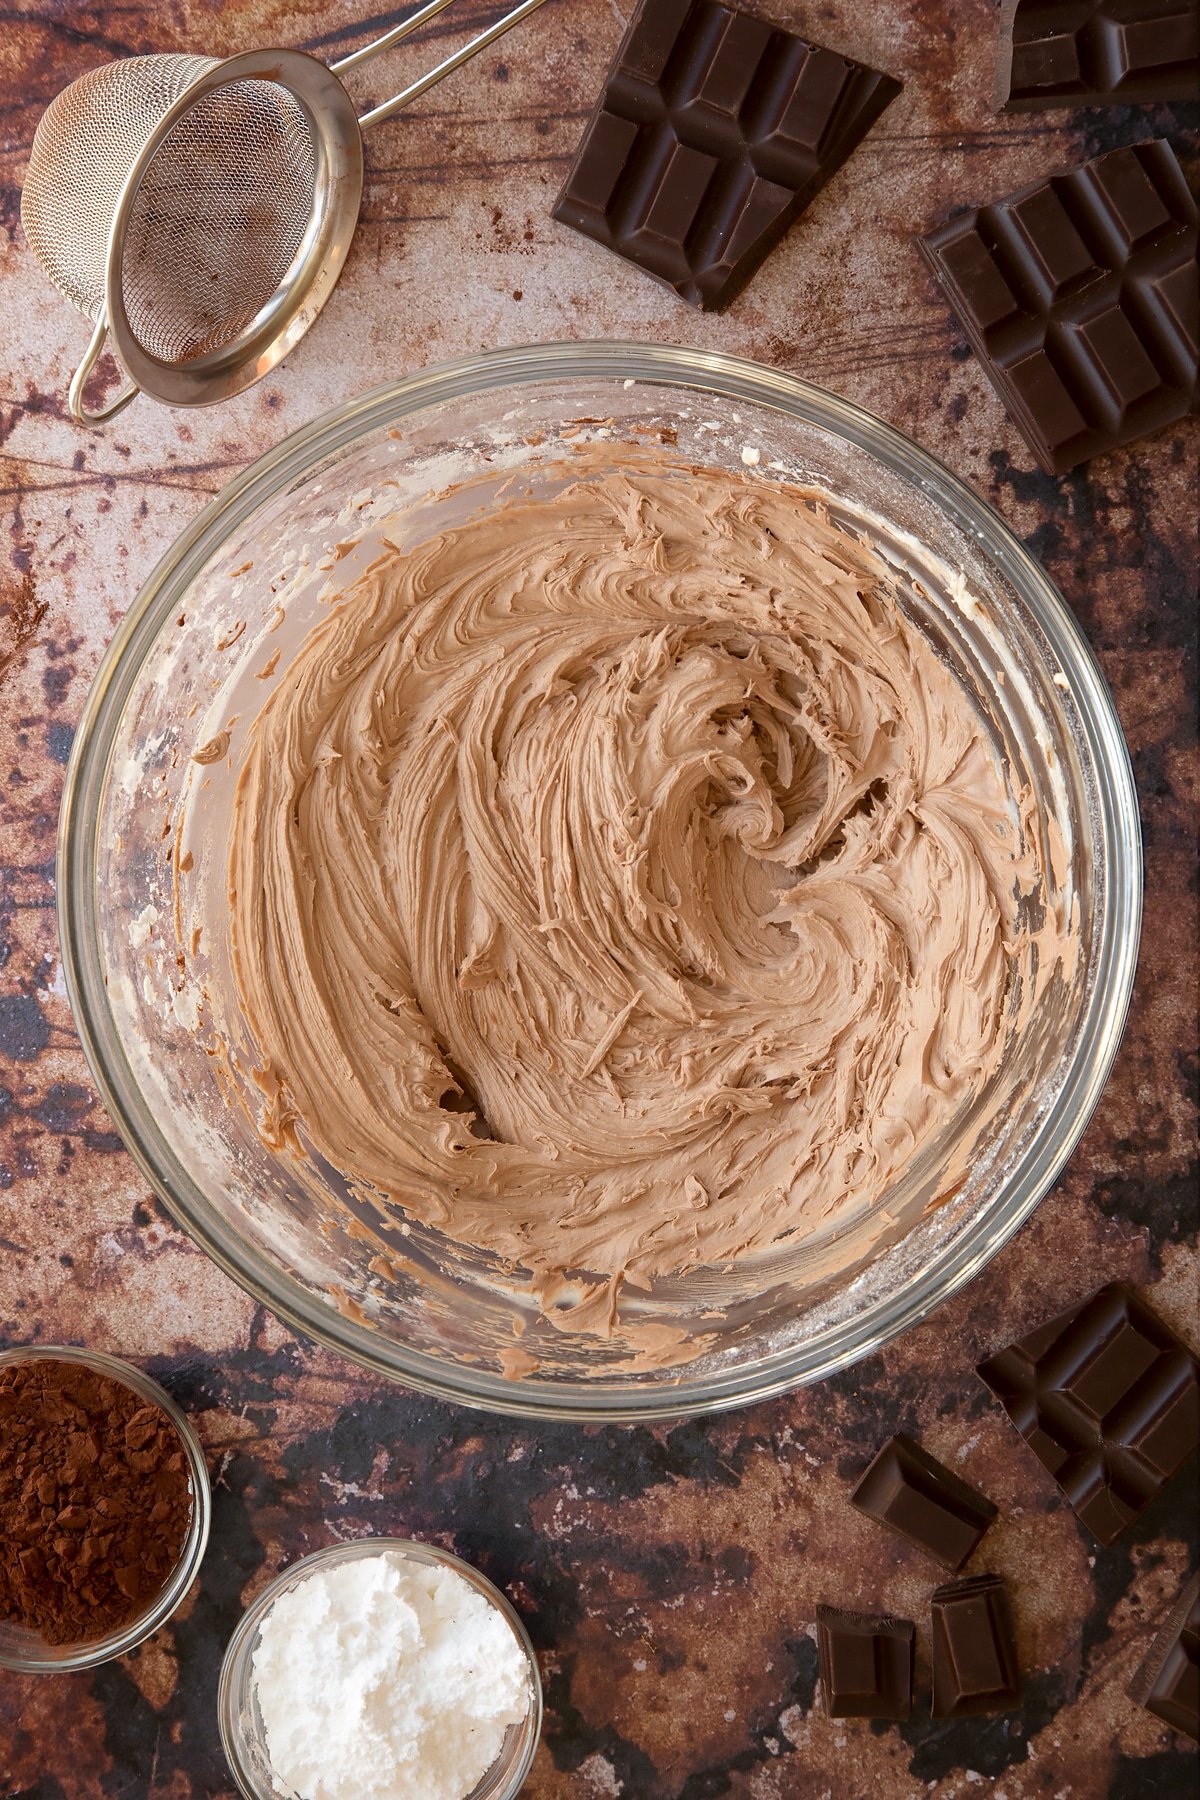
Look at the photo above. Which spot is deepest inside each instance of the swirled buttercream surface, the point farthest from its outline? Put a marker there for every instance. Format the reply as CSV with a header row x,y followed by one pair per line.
x,y
620,882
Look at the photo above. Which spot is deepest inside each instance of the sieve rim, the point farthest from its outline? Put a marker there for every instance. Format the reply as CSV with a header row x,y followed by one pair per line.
x,y
314,271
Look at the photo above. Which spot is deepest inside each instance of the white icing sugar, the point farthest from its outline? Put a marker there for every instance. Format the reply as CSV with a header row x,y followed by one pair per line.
x,y
385,1679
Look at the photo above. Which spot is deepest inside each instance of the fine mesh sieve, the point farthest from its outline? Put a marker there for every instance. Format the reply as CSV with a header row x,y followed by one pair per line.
x,y
87,141
200,210
211,237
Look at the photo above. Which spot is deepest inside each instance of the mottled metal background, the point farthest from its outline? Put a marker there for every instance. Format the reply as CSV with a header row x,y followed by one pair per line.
x,y
669,1576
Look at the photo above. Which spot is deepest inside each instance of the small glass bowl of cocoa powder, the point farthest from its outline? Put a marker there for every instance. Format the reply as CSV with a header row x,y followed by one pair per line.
x,y
104,1508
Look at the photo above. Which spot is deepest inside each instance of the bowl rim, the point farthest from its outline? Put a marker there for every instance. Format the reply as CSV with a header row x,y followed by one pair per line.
x,y
948,1269
171,1595
233,1676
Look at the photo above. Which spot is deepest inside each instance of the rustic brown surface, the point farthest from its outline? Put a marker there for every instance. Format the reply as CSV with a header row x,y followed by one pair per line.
x,y
669,1576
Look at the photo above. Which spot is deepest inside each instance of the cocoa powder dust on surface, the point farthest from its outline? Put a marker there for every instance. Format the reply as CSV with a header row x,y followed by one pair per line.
x,y
95,1500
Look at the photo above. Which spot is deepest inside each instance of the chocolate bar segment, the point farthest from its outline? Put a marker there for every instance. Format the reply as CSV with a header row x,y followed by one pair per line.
x,y
1079,296
713,133
974,1649
866,1662
1097,53
917,1496
1168,1682
1108,1398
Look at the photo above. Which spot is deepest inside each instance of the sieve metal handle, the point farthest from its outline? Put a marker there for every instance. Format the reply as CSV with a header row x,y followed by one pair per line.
x,y
396,35
455,61
91,357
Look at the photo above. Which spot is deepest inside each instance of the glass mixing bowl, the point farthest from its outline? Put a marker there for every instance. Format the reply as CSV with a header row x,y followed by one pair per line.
x,y
246,578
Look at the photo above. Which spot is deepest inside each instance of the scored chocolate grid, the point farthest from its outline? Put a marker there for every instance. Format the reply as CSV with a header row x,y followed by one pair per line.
x,y
1107,1399
1078,295
682,113
1084,1460
664,172
723,106
713,133
1060,52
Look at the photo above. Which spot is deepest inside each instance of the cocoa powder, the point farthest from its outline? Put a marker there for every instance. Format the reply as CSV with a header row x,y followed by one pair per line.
x,y
95,1500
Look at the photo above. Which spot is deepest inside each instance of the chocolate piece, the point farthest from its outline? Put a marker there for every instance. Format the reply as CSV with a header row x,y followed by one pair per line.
x,y
712,135
1168,1682
1108,1398
866,1664
974,1649
1097,52
917,1496
1079,296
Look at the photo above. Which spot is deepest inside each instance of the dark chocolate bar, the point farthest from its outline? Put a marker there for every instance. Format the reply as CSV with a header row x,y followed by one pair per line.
x,y
713,133
1168,1682
1079,296
974,1649
866,1662
917,1496
1097,52
1108,1398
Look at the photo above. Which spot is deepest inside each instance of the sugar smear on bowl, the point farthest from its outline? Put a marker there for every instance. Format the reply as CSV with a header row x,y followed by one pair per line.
x,y
382,1678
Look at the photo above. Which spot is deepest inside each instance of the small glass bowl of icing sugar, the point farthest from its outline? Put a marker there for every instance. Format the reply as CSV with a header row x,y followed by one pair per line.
x,y
380,1670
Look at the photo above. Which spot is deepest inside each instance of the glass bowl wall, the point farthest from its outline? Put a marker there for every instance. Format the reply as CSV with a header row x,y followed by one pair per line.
x,y
246,578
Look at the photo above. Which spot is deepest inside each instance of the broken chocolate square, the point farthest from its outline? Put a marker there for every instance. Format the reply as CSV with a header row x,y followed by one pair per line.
x,y
713,133
866,1662
1108,1398
927,1503
1079,296
974,1649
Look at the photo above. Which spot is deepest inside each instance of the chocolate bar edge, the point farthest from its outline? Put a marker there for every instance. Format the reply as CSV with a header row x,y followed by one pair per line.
x,y
1020,415
884,1624
1148,92
1149,1670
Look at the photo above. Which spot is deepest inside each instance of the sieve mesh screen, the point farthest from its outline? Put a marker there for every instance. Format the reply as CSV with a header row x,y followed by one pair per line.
x,y
217,220
86,142
249,178
219,214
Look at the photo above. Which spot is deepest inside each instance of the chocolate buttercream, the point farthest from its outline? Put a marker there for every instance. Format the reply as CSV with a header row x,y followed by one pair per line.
x,y
620,882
